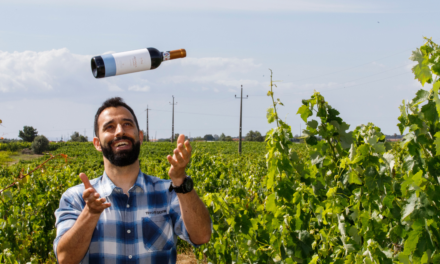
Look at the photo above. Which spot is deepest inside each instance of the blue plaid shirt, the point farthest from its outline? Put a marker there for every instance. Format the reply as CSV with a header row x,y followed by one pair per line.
x,y
140,228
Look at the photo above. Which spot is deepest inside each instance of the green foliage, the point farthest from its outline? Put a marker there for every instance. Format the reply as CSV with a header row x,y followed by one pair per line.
x,y
209,137
76,137
254,136
343,197
5,156
15,146
40,144
28,134
27,221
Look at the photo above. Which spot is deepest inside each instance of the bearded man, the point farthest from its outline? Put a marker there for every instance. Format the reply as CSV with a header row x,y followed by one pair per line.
x,y
126,216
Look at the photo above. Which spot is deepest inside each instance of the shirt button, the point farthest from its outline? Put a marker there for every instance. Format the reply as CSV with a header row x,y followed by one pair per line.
x,y
129,231
128,206
130,256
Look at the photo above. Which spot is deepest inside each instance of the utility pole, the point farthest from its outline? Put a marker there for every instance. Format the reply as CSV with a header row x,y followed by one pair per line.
x,y
172,128
241,111
148,136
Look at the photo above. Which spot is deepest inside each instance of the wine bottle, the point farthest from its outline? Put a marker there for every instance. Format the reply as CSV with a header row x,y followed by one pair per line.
x,y
132,61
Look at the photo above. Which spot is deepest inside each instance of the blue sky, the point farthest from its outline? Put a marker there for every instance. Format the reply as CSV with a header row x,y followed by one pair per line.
x,y
354,52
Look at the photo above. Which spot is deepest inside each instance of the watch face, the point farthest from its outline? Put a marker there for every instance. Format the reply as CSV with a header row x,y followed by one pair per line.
x,y
188,184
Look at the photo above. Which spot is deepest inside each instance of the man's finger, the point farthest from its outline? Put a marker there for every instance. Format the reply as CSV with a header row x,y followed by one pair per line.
x,y
188,147
181,139
88,193
182,150
172,161
85,180
178,156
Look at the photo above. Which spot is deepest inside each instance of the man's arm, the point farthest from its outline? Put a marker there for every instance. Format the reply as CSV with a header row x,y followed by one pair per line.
x,y
74,244
195,215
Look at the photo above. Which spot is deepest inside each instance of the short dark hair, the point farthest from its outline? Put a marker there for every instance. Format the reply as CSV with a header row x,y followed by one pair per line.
x,y
113,102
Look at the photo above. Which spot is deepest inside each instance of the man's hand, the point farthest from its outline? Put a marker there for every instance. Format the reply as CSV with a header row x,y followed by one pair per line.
x,y
94,204
181,158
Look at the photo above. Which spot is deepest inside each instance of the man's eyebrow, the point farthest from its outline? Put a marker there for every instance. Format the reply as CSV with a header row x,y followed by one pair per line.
x,y
128,119
107,123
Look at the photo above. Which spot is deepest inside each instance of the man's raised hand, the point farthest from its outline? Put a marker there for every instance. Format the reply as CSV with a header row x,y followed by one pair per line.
x,y
95,204
181,158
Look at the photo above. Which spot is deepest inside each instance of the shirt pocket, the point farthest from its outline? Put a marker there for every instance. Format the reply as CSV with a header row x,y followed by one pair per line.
x,y
157,232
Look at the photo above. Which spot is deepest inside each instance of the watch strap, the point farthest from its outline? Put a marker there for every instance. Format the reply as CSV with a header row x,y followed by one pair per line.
x,y
180,189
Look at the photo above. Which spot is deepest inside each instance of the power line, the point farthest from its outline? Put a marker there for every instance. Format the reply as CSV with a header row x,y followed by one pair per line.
x,y
206,114
350,68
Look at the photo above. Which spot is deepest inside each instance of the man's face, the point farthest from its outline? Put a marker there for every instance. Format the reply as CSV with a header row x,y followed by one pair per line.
x,y
118,136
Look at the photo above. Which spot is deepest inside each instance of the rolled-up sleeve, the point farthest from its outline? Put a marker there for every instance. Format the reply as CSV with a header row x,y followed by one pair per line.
x,y
66,215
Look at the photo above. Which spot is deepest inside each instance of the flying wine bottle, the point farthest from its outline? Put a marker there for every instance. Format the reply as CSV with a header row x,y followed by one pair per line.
x,y
132,61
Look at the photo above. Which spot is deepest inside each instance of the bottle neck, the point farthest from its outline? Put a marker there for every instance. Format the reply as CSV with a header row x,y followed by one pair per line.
x,y
174,54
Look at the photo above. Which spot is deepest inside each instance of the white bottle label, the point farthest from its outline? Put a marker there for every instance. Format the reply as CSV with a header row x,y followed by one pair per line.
x,y
132,61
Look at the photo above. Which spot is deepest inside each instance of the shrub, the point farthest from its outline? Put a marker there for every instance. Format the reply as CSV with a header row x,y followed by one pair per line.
x,y
40,144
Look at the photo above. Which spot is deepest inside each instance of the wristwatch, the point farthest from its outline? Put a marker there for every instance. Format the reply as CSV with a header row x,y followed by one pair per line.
x,y
186,187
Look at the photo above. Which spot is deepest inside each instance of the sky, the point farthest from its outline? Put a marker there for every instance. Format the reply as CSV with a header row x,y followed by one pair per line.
x,y
355,53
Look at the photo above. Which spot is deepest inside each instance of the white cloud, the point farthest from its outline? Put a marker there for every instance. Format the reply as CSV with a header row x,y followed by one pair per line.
x,y
37,71
63,73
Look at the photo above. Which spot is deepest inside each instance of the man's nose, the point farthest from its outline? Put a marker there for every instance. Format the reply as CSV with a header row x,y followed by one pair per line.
x,y
119,130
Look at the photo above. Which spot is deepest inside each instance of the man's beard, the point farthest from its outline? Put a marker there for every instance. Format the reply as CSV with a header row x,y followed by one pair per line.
x,y
122,158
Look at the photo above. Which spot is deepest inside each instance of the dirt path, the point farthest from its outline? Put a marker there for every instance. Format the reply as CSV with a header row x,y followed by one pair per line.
x,y
187,258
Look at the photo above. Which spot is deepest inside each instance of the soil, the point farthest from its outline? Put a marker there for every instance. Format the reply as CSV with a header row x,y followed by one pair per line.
x,y
187,258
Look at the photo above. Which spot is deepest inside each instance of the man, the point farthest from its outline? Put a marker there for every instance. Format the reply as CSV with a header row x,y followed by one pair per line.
x,y
125,216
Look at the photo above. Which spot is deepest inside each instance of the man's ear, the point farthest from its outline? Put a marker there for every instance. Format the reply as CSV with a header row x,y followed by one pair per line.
x,y
97,144
141,136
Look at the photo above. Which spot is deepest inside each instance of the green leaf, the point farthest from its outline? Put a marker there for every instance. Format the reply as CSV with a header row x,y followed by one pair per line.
x,y
413,237
305,112
270,203
410,206
314,259
435,88
354,233
313,124
331,192
421,96
353,178
270,115
421,70
430,112
7,195
312,140
388,201
437,143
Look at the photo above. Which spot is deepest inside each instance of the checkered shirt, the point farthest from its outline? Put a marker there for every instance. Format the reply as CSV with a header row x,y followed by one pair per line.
x,y
140,228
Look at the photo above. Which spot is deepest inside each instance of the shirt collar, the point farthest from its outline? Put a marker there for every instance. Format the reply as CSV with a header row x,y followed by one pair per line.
x,y
108,186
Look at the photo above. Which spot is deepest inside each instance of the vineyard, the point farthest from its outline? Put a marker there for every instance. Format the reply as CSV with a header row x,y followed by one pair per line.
x,y
341,197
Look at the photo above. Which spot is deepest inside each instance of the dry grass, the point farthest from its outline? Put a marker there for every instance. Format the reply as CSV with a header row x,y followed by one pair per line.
x,y
16,157
188,258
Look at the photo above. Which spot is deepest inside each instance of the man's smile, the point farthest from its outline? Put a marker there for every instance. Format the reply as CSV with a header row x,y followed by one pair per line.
x,y
122,145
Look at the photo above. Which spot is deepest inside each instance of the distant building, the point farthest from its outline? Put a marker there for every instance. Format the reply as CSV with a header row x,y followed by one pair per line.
x,y
393,138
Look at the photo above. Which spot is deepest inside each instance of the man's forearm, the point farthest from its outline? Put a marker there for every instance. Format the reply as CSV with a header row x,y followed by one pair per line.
x,y
195,217
74,243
